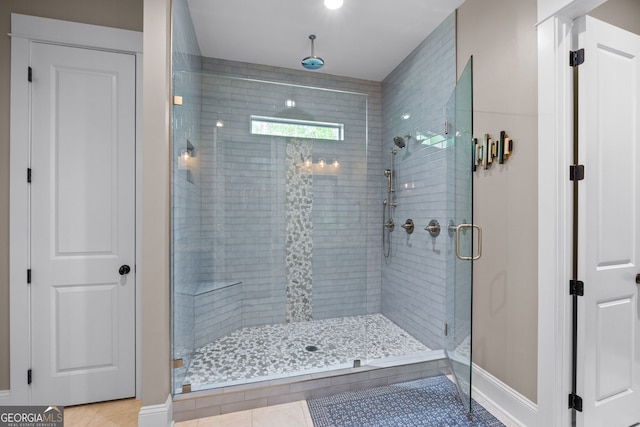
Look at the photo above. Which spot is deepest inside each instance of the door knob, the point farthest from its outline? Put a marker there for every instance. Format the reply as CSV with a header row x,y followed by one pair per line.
x,y
638,279
125,269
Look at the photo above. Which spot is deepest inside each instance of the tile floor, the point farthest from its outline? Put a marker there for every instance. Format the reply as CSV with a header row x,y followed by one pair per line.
x,y
294,414
124,413
279,350
117,413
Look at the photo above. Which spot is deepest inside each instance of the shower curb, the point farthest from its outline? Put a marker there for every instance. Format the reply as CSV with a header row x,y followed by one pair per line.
x,y
223,400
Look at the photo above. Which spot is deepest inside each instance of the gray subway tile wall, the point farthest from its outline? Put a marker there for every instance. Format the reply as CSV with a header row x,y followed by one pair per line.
x,y
414,278
229,222
253,223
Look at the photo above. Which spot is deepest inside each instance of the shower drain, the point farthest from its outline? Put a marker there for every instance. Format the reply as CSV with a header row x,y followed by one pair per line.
x,y
311,348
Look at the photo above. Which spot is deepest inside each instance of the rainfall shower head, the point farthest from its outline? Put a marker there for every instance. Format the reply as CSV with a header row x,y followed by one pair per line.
x,y
399,141
312,62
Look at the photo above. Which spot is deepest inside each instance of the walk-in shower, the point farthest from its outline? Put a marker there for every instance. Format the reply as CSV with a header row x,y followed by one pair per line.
x,y
270,227
278,275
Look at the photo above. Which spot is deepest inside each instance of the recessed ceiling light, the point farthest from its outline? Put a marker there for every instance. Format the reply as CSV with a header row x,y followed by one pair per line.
x,y
333,4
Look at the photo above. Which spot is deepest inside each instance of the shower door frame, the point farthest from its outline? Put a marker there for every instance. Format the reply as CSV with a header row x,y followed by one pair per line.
x,y
459,132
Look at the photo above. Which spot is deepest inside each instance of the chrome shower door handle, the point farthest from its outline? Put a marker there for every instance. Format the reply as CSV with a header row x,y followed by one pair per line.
x,y
458,254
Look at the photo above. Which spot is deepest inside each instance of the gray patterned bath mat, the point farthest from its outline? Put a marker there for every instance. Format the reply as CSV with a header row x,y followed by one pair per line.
x,y
426,402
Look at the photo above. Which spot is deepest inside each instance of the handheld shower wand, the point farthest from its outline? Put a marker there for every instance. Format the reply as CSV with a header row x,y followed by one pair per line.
x,y
387,173
387,205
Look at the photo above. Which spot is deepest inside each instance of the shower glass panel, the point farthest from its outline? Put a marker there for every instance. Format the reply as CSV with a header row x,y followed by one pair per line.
x,y
459,271
269,237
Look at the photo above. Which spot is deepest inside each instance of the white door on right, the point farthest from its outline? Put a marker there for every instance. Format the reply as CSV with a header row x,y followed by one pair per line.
x,y
609,221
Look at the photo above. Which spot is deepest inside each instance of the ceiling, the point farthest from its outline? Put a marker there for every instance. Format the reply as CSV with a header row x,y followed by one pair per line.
x,y
364,39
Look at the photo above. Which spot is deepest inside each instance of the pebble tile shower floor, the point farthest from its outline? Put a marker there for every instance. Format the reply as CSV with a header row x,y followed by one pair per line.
x,y
277,351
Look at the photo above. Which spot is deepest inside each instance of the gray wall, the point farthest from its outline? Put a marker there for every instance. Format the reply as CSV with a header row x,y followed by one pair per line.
x,y
414,277
249,188
621,13
155,201
125,14
505,196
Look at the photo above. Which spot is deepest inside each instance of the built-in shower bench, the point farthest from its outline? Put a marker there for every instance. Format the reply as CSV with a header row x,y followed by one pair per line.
x,y
217,309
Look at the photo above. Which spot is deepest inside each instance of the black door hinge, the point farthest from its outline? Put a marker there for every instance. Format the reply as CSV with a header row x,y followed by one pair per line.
x,y
29,276
576,57
576,287
576,172
29,376
575,402
30,75
29,175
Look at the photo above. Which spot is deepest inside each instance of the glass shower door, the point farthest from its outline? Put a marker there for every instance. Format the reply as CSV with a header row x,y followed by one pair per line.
x,y
269,231
462,233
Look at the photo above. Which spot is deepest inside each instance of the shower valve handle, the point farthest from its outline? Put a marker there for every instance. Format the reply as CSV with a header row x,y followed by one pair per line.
x,y
433,228
408,226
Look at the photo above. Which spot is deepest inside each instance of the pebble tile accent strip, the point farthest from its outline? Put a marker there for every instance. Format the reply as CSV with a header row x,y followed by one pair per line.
x,y
299,231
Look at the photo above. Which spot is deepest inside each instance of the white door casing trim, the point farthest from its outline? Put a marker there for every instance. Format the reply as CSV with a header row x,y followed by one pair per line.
x,y
554,211
555,115
25,30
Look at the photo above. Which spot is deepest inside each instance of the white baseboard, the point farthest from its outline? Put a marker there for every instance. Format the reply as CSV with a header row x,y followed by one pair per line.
x,y
5,397
157,415
504,398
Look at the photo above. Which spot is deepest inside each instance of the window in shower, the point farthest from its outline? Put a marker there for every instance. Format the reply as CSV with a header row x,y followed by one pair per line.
x,y
292,128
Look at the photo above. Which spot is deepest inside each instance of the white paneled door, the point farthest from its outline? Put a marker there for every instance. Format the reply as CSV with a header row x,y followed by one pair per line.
x,y
609,218
82,225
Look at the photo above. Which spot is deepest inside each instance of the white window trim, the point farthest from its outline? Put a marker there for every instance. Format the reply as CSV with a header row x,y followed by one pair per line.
x,y
339,127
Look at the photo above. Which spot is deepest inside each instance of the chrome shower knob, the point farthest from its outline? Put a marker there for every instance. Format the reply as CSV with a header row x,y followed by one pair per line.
x,y
433,228
408,226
